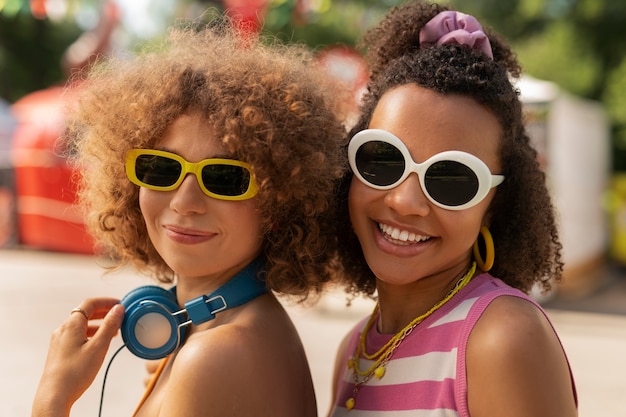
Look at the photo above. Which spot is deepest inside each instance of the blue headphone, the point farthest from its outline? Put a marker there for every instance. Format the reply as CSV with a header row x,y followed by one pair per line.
x,y
154,325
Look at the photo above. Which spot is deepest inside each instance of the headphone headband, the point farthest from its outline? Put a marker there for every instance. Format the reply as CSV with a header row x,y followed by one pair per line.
x,y
240,289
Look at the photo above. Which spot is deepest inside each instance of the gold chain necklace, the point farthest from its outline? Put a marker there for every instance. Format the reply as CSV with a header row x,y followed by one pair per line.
x,y
383,355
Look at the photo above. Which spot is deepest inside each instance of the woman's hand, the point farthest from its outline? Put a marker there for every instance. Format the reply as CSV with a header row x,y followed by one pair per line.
x,y
77,350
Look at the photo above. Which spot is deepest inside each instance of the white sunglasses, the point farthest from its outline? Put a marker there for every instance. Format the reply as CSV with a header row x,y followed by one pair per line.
x,y
452,180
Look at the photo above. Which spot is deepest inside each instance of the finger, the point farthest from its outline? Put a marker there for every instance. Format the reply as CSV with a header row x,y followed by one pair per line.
x,y
80,311
92,329
109,326
97,308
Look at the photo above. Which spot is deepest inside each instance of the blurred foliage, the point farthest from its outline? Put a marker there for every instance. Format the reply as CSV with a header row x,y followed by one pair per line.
x,y
316,23
30,53
578,44
575,43
329,23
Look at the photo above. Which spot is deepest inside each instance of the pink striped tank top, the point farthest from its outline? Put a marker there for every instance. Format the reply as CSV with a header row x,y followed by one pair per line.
x,y
426,375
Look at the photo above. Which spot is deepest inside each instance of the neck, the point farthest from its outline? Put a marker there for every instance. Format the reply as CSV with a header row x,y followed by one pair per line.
x,y
241,288
399,305
189,287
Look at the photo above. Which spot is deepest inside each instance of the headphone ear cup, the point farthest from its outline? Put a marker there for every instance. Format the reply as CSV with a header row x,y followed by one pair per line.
x,y
150,330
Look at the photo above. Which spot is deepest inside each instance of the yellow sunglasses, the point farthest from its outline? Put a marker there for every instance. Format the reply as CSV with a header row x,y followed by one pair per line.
x,y
224,179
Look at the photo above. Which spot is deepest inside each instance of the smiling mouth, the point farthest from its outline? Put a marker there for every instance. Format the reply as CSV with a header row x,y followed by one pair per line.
x,y
187,236
186,231
400,237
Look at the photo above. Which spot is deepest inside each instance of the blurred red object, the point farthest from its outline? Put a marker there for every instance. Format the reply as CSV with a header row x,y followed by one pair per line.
x,y
47,215
38,8
248,14
44,179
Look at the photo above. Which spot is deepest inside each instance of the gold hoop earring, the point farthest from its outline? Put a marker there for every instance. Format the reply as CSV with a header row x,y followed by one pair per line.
x,y
490,253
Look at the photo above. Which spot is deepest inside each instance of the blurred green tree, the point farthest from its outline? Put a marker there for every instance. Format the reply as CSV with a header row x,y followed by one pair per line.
x,y
30,53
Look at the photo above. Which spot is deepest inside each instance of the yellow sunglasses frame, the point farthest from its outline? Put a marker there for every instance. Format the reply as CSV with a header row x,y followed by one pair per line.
x,y
188,168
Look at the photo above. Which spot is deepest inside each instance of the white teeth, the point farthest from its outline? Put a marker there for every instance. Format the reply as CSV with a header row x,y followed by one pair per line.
x,y
401,235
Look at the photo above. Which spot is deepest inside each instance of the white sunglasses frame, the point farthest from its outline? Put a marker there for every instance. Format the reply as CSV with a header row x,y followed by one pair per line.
x,y
486,180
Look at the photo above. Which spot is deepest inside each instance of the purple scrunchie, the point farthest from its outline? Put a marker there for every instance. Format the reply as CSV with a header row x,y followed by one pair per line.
x,y
455,27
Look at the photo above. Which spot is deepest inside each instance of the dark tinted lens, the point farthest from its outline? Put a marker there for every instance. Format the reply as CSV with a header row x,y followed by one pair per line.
x,y
451,183
380,163
157,170
227,180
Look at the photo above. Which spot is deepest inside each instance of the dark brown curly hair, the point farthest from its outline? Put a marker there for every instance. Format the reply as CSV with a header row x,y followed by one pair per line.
x,y
270,105
523,225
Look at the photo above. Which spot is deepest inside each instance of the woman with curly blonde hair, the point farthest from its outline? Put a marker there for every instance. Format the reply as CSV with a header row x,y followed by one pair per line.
x,y
209,163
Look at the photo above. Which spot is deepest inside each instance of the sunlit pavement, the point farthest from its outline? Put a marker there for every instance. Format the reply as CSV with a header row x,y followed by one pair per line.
x,y
40,288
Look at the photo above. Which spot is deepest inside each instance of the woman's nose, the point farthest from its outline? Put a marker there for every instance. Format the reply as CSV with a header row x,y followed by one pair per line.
x,y
408,198
188,197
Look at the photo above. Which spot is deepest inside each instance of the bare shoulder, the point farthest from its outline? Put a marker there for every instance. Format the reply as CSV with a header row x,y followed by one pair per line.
x,y
242,368
516,365
512,321
217,348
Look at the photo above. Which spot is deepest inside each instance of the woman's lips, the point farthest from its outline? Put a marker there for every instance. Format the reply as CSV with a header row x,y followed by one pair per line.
x,y
187,236
397,241
401,236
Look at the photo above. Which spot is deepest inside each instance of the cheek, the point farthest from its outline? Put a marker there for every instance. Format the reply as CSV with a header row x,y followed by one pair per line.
x,y
463,227
150,203
141,197
483,208
247,217
144,202
356,199
363,203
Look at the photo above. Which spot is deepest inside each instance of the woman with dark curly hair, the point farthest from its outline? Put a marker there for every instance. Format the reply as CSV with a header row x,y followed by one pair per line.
x,y
448,219
210,163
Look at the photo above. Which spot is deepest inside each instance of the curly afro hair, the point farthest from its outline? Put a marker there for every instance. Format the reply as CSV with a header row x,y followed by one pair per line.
x,y
522,216
270,105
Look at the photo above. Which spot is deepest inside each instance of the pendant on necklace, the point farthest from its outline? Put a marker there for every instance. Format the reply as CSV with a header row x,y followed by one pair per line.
x,y
379,372
350,403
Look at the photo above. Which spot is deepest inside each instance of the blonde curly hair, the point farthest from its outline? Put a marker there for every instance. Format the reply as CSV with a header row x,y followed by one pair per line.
x,y
271,106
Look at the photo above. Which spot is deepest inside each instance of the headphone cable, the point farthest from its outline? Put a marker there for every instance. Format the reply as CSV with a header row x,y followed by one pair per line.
x,y
106,373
